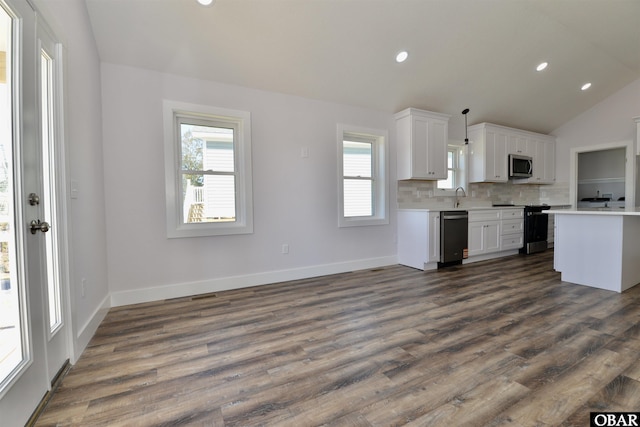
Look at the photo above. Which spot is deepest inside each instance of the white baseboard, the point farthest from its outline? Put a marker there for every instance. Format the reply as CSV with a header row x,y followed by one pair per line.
x,y
179,290
86,332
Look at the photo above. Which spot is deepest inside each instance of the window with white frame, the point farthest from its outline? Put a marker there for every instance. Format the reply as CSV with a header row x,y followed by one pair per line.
x,y
363,188
454,173
208,170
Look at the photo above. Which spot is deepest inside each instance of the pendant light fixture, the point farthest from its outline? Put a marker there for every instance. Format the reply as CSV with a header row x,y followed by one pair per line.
x,y
466,139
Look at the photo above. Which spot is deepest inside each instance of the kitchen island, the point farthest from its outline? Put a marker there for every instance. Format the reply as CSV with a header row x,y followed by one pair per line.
x,y
598,247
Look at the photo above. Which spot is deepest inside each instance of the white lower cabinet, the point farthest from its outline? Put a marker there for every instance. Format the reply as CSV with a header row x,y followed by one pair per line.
x,y
419,238
434,238
484,232
512,236
494,233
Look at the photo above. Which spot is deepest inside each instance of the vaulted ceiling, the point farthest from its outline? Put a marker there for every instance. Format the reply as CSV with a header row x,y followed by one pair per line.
x,y
476,54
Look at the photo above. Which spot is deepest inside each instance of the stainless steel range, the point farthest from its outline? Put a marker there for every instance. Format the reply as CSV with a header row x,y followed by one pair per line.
x,y
536,222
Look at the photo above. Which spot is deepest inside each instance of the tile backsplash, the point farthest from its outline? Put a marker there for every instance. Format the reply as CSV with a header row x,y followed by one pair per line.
x,y
424,194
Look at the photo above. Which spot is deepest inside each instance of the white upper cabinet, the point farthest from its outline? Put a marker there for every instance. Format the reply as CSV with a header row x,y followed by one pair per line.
x,y
490,146
543,153
422,144
546,158
487,154
520,144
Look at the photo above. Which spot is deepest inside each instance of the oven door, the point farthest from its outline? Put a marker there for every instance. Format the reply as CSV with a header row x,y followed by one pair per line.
x,y
535,231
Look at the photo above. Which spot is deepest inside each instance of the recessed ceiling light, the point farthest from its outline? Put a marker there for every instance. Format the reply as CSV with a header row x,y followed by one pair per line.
x,y
542,66
585,86
205,2
402,56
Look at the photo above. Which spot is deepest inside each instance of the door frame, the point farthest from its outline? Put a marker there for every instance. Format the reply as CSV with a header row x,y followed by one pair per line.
x,y
629,174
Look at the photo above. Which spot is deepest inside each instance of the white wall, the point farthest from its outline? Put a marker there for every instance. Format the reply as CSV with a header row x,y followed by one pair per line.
x,y
609,121
295,198
70,21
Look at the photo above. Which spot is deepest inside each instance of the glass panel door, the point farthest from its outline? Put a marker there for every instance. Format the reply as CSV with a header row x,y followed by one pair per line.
x,y
33,332
13,346
52,167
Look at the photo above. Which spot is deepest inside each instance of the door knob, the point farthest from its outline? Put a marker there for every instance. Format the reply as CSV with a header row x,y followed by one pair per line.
x,y
37,225
34,199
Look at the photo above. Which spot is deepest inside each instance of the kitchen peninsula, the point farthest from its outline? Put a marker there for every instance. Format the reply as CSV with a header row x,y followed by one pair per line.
x,y
598,247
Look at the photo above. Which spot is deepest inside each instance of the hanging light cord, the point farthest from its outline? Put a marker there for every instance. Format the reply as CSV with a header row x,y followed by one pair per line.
x,y
466,138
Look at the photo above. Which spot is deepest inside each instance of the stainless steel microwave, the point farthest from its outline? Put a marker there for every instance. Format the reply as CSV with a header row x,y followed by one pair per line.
x,y
520,166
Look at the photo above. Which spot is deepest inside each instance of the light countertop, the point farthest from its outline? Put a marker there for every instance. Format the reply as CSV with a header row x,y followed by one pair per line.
x,y
476,208
627,211
461,208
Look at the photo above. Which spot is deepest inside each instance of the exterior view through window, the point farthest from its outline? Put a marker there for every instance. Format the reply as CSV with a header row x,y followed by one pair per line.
x,y
357,163
362,176
207,152
208,173
48,197
449,183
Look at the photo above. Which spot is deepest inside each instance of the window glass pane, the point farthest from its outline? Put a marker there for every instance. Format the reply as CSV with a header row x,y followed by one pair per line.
x,y
220,197
192,149
452,166
211,199
207,148
446,184
49,198
358,197
357,159
219,156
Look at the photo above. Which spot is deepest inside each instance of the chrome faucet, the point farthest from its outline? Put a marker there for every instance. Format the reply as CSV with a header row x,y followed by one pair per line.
x,y
457,202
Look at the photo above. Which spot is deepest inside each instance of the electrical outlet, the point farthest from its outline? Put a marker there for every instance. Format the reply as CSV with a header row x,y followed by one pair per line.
x,y
285,248
83,286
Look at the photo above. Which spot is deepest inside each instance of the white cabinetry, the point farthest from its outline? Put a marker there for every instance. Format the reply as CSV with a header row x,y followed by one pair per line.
x,y
494,233
519,144
422,144
488,154
543,151
434,238
490,146
484,232
546,161
512,229
419,238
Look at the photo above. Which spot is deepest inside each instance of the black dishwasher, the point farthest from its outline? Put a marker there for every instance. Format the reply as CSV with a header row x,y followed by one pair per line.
x,y
454,230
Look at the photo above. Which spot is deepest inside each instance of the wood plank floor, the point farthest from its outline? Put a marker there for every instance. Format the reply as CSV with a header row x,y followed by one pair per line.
x,y
493,343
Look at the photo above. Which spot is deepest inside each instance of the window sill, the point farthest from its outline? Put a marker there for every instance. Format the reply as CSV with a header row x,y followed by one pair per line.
x,y
360,221
204,230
